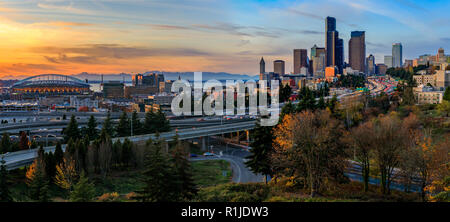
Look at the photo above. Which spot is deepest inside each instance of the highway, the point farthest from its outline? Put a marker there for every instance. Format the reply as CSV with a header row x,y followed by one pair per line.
x,y
237,158
25,157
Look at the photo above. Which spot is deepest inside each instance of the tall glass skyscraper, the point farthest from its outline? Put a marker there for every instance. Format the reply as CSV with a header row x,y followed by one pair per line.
x,y
333,44
397,56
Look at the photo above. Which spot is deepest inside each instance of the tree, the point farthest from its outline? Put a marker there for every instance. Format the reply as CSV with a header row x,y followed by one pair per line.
x,y
162,124
447,94
259,159
183,170
321,104
66,174
136,124
126,152
363,143
107,126
59,154
123,128
307,145
23,141
408,97
5,144
333,103
5,193
285,92
391,138
37,181
444,108
149,122
83,191
72,131
161,184
92,131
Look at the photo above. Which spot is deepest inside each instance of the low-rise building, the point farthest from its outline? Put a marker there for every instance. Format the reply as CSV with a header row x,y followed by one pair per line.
x,y
427,95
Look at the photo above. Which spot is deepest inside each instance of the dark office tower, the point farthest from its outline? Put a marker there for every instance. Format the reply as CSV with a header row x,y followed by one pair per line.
x,y
340,55
331,38
357,51
262,66
300,60
371,68
278,67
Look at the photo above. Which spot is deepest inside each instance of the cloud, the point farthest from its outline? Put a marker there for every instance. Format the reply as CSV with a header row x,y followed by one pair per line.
x,y
376,44
306,14
445,39
64,24
166,27
104,53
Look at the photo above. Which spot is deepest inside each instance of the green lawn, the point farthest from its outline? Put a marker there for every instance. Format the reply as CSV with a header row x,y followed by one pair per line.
x,y
211,172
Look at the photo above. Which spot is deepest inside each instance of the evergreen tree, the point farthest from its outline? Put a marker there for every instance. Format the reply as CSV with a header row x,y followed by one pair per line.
x,y
117,153
83,190
50,166
408,97
126,152
149,122
37,182
92,131
123,128
321,104
447,93
72,131
162,124
58,155
259,160
183,170
136,124
5,194
285,93
70,149
307,100
107,126
161,184
5,144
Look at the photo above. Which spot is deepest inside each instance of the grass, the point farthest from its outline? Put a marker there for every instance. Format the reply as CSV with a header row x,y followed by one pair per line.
x,y
211,172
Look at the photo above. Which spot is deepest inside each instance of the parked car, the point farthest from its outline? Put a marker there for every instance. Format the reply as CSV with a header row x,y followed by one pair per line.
x,y
208,154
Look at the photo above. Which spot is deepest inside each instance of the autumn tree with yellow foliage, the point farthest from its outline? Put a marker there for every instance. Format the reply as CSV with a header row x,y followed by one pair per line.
x,y
66,174
307,145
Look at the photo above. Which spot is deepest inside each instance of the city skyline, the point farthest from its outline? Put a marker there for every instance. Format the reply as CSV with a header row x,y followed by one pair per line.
x,y
119,36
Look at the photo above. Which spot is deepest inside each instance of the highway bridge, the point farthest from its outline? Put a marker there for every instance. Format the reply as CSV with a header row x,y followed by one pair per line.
x,y
22,158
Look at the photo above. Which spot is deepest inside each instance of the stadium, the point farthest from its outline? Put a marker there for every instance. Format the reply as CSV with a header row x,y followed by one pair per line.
x,y
50,84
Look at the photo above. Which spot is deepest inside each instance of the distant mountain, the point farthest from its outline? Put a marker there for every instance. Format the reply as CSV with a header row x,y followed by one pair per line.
x,y
91,77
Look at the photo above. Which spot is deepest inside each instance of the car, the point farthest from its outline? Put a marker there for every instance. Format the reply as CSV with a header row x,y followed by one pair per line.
x,y
193,155
208,154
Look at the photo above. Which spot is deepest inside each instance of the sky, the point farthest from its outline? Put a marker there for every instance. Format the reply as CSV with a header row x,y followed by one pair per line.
x,y
133,36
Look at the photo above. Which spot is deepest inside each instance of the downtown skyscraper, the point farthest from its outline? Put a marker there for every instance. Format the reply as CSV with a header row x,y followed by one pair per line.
x,y
300,60
397,55
334,45
357,51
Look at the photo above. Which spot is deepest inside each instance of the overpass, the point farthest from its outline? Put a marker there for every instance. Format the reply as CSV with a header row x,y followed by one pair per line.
x,y
22,158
